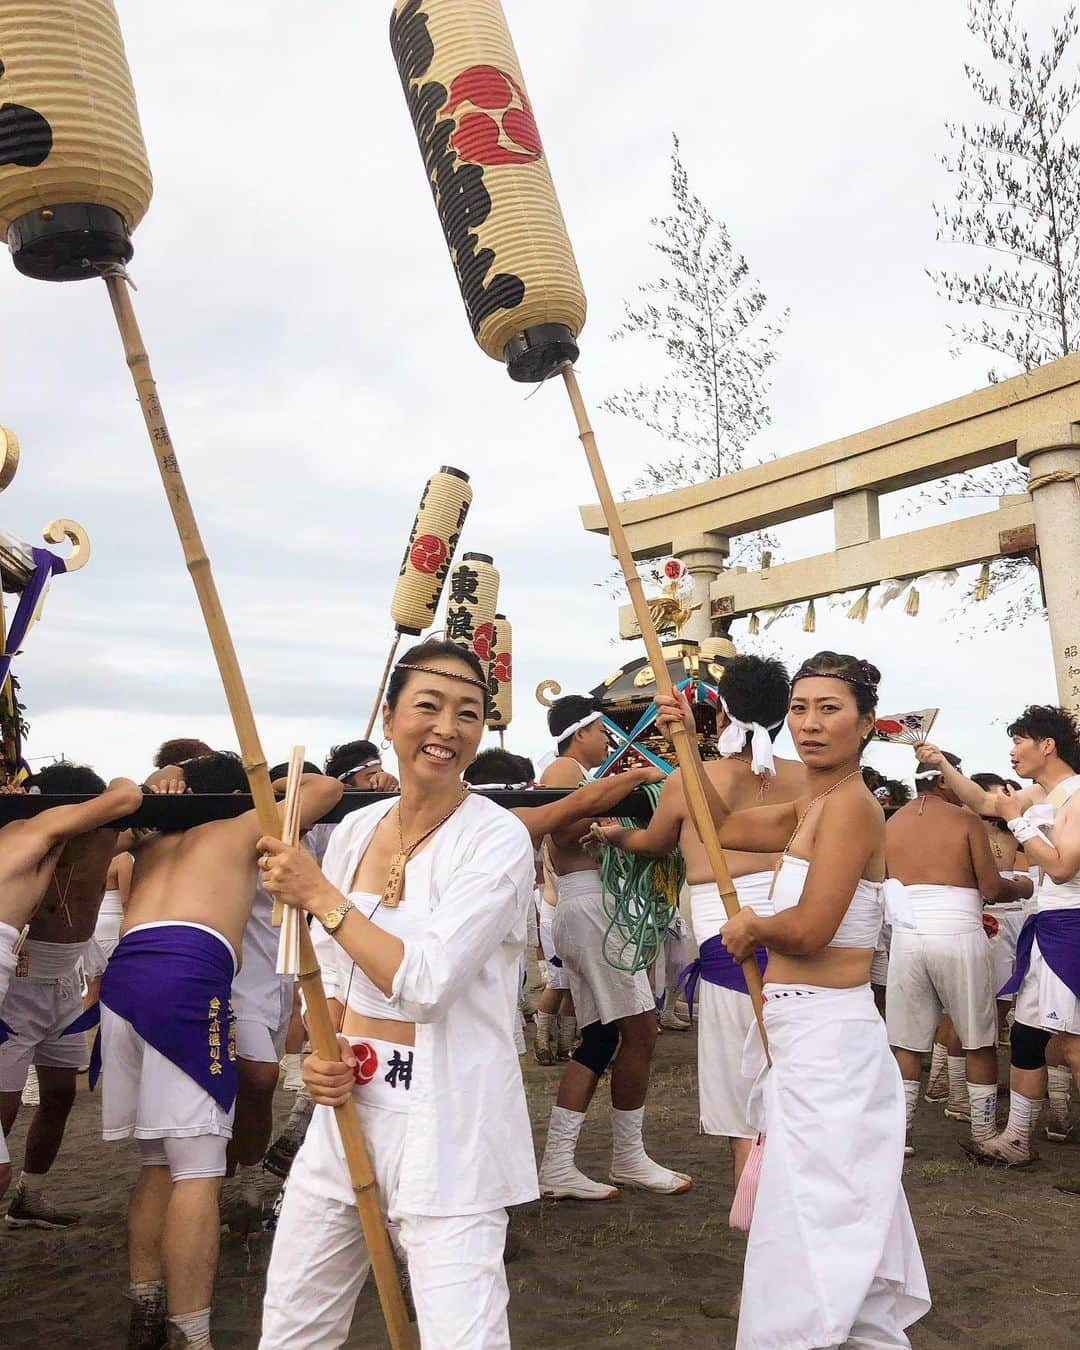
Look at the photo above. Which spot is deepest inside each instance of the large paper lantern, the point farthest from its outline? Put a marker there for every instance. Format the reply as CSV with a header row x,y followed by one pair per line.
x,y
430,550
500,676
491,182
74,176
471,605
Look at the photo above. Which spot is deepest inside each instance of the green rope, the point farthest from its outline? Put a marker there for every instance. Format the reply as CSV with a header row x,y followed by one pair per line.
x,y
641,898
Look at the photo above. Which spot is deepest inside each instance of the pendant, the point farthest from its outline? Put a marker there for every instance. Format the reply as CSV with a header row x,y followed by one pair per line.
x,y
395,881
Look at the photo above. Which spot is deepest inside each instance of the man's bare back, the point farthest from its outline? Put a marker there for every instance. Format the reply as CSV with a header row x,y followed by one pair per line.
x,y
207,874
741,788
69,910
930,842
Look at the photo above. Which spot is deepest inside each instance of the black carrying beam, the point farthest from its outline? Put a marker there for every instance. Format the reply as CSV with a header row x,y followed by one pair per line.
x,y
182,811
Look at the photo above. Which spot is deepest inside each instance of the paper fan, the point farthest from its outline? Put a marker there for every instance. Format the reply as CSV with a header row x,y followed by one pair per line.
x,y
909,728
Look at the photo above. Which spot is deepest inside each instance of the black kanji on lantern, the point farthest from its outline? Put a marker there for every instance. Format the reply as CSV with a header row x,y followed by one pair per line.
x,y
459,624
464,585
400,1070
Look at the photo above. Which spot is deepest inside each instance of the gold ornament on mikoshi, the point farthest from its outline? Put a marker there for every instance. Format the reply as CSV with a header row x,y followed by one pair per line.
x,y
491,182
500,676
471,605
430,550
74,176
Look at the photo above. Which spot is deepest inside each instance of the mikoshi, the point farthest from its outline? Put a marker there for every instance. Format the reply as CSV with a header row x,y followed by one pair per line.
x,y
500,677
433,540
508,242
74,184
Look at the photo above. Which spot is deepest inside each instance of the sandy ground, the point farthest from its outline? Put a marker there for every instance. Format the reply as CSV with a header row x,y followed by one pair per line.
x,y
1002,1249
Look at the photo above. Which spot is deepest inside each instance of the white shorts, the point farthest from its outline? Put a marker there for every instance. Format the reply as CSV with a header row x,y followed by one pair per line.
x,y
107,932
600,992
37,1011
931,974
1044,1000
556,974
145,1096
319,1261
724,1016
1010,919
261,1029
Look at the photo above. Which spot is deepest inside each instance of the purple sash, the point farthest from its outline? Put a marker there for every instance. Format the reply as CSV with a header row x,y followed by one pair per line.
x,y
716,965
172,984
1058,931
5,1031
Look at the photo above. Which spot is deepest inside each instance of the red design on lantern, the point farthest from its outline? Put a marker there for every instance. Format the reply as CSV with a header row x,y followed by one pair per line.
x,y
505,131
482,640
674,569
428,554
502,667
367,1062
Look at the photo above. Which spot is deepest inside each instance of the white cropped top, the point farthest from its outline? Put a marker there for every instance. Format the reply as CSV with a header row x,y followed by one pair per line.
x,y
405,921
860,926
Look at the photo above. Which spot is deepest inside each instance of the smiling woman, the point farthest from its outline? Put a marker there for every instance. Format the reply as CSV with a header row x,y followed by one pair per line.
x,y
426,897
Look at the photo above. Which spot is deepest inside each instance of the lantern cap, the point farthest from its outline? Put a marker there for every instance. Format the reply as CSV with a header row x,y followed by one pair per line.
x,y
458,473
535,354
477,557
69,241
500,616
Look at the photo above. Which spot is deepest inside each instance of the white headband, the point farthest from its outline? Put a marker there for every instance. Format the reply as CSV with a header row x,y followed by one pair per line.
x,y
578,726
367,764
497,787
733,739
924,774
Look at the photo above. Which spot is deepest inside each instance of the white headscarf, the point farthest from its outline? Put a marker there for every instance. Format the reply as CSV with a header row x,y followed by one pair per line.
x,y
733,739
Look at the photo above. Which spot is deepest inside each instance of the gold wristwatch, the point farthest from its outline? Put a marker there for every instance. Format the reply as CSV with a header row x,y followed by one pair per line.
x,y
334,918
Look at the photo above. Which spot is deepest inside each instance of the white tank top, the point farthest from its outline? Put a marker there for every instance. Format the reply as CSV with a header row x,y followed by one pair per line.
x,y
403,922
861,924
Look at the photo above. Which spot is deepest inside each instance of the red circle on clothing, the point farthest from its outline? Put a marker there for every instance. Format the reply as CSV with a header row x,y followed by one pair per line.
x,y
428,553
367,1062
991,926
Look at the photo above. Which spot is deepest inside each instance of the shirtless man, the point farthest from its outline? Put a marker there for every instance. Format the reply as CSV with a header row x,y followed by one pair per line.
x,y
615,1010
29,852
168,1052
1045,820
179,749
754,695
941,856
45,996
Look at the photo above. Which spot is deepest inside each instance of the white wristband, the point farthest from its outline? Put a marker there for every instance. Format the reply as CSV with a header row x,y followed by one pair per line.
x,y
1023,830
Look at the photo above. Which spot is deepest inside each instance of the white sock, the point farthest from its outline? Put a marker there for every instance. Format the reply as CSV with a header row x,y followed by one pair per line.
x,y
911,1097
545,1025
1023,1115
958,1080
983,1099
196,1328
1059,1081
937,1060
32,1184
247,1177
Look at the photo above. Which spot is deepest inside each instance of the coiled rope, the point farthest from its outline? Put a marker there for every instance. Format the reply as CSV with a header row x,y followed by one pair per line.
x,y
641,899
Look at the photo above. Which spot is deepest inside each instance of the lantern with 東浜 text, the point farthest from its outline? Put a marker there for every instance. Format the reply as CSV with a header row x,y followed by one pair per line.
x,y
471,602
500,676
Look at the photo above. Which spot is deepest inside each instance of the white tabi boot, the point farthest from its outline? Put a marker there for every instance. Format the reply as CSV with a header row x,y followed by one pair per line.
x,y
631,1165
559,1177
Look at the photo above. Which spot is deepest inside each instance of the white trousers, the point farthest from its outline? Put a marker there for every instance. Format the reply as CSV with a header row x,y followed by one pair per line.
x,y
320,1262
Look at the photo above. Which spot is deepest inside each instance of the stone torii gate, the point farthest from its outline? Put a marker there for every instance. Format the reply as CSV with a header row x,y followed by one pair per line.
x,y
1034,418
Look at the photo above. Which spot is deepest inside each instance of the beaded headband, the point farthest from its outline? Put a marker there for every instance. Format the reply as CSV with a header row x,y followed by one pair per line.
x,y
865,683
447,674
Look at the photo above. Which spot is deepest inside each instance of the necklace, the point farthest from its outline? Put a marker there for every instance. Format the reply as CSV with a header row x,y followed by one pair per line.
x,y
395,878
855,773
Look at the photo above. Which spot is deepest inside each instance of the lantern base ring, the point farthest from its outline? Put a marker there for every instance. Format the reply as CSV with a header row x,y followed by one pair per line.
x,y
68,242
537,353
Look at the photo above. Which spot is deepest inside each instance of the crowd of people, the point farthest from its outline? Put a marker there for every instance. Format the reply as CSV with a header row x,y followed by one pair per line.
x,y
889,929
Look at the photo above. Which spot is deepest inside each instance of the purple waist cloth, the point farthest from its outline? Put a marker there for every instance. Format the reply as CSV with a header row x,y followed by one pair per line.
x,y
716,965
172,984
1058,931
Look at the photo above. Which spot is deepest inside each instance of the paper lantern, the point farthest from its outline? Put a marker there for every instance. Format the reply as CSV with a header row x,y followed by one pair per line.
x,y
490,180
500,676
471,605
430,550
74,176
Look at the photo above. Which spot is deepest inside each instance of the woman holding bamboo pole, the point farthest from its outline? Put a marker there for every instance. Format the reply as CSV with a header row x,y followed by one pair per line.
x,y
426,897
831,1225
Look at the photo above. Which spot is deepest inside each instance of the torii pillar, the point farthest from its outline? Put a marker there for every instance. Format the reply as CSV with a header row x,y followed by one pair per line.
x,y
704,556
1051,454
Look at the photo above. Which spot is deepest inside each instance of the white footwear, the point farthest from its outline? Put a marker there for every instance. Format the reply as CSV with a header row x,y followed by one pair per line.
x,y
632,1166
1000,1152
294,1077
1058,1128
671,1021
31,1093
937,1085
958,1111
559,1178
567,1037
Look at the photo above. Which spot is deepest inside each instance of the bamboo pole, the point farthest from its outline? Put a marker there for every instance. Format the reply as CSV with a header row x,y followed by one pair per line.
x,y
382,686
686,749
323,1036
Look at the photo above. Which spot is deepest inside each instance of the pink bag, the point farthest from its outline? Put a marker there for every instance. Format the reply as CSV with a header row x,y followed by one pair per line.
x,y
742,1207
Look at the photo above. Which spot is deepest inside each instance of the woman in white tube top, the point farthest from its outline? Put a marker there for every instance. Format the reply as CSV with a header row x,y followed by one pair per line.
x,y
831,1224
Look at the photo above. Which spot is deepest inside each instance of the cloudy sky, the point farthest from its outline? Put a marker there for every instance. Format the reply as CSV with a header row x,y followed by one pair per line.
x,y
315,366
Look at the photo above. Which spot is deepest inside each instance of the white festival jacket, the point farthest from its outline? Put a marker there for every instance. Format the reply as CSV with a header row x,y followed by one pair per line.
x,y
468,1143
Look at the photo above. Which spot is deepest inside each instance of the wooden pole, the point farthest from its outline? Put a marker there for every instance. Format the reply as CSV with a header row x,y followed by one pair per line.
x,y
323,1036
382,686
686,749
